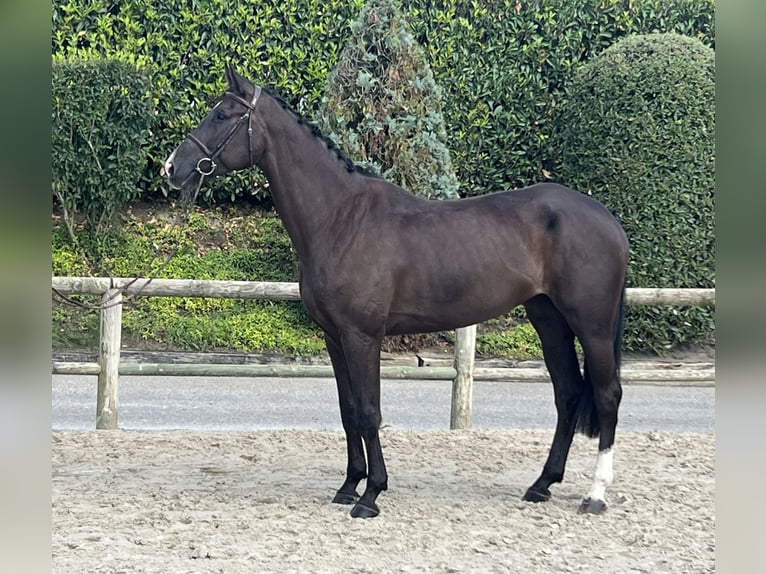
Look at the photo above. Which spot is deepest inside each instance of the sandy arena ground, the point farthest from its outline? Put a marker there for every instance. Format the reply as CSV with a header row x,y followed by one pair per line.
x,y
252,502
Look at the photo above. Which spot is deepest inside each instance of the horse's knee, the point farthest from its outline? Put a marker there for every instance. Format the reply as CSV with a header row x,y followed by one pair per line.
x,y
369,420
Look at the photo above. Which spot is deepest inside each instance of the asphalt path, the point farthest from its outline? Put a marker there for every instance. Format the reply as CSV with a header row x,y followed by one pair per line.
x,y
237,403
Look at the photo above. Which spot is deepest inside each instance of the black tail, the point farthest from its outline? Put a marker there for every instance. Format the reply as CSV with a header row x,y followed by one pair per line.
x,y
619,328
586,416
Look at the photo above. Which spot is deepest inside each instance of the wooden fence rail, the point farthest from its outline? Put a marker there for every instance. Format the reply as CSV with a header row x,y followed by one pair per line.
x,y
289,291
674,374
462,373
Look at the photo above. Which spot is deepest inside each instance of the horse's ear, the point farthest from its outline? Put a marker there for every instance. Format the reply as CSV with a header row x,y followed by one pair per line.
x,y
231,74
237,83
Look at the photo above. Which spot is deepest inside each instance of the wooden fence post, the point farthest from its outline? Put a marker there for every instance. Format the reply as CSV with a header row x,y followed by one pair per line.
x,y
110,329
462,385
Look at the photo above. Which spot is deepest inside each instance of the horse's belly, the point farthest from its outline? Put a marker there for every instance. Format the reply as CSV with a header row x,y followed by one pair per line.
x,y
444,316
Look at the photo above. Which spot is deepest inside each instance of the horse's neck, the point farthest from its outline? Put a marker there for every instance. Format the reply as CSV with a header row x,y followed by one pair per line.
x,y
309,185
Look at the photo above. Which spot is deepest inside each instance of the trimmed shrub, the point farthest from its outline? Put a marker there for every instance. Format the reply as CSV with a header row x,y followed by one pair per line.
x,y
101,119
383,108
503,66
638,132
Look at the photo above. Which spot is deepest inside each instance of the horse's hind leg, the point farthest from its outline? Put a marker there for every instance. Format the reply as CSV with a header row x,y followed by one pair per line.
x,y
356,469
601,374
557,341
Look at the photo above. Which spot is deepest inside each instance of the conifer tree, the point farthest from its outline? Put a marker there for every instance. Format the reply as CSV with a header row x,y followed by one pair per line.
x,y
382,105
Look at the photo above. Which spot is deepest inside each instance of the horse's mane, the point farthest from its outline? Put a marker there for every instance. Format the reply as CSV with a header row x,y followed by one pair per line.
x,y
350,166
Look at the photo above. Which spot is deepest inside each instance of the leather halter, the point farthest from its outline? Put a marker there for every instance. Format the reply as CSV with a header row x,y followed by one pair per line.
x,y
207,165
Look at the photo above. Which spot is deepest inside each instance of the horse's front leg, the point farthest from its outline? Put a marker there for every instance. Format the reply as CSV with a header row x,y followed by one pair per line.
x,y
362,353
356,470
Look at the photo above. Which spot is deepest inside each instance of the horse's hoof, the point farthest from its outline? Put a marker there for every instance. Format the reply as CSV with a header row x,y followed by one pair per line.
x,y
590,506
345,498
364,510
537,495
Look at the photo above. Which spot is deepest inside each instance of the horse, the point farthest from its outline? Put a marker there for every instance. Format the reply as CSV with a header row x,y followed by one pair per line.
x,y
376,260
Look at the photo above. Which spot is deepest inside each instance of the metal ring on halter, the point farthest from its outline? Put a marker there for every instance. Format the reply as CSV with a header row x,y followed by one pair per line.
x,y
213,165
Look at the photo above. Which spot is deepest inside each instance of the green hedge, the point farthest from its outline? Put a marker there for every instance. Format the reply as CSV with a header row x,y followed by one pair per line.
x,y
503,65
638,132
101,120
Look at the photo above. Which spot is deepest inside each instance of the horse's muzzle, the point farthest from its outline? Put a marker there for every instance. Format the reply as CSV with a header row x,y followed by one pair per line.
x,y
168,171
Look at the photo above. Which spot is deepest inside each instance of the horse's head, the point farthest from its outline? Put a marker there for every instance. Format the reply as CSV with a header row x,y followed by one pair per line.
x,y
226,139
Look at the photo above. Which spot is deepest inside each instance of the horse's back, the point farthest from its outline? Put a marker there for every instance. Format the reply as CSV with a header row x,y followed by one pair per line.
x,y
539,217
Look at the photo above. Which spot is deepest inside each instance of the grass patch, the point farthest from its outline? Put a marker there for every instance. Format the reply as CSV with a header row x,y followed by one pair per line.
x,y
218,243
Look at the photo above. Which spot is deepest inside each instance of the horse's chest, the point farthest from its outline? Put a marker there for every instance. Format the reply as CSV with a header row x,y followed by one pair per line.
x,y
318,297
331,303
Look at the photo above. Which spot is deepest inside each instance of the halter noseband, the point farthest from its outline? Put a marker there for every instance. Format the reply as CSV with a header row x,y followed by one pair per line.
x,y
206,165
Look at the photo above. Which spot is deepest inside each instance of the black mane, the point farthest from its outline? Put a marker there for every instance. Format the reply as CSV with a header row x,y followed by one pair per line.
x,y
350,166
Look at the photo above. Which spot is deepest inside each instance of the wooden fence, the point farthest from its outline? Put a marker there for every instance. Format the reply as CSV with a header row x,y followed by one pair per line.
x,y
108,367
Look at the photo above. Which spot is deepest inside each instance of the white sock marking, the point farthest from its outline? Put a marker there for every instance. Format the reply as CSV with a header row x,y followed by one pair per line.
x,y
603,475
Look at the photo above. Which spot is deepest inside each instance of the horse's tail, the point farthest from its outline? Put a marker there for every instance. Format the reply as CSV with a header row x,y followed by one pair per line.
x,y
586,415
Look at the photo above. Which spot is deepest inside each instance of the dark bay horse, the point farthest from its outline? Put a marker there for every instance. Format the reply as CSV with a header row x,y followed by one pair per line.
x,y
376,260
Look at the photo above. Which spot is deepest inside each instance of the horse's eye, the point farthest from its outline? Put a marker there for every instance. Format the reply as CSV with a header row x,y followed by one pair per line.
x,y
220,115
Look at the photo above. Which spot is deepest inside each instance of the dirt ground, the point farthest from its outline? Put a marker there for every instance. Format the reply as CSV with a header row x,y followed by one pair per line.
x,y
201,502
